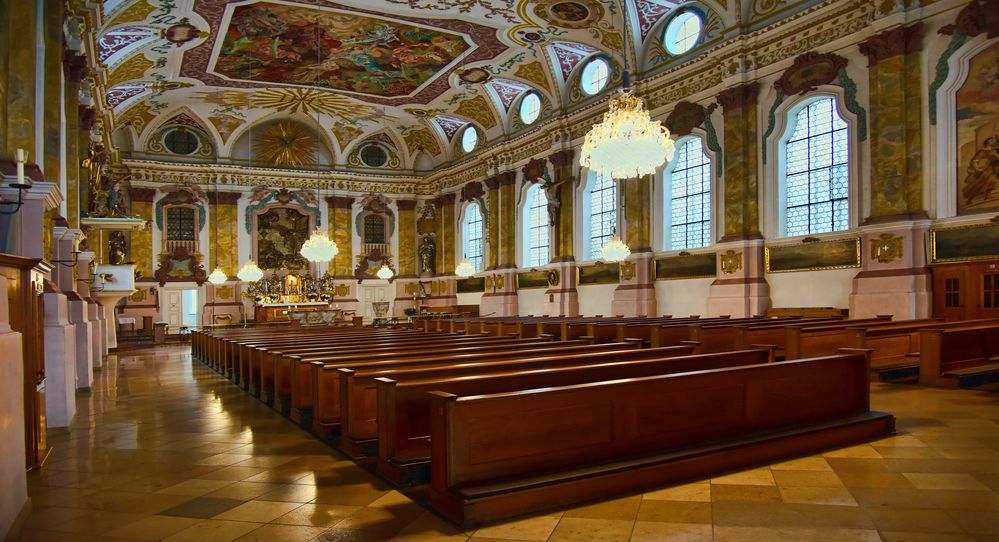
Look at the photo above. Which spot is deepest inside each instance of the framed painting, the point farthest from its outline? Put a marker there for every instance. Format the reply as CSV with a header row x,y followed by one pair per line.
x,y
281,231
964,243
598,273
471,285
532,279
689,266
813,256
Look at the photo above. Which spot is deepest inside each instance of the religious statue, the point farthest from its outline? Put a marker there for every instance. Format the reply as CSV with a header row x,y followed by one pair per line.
x,y
93,164
554,201
115,201
428,253
116,243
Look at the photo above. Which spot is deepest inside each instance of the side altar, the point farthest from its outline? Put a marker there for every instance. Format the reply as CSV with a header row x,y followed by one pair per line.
x,y
301,299
269,312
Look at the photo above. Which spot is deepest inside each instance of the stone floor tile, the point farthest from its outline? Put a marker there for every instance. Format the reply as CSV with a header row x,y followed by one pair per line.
x,y
213,530
624,508
675,511
655,531
153,528
258,511
913,519
576,529
754,477
282,533
699,491
537,528
838,496
923,480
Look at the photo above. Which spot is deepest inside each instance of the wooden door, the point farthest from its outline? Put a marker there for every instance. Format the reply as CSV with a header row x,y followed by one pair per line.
x,y
950,291
370,295
987,305
966,290
174,308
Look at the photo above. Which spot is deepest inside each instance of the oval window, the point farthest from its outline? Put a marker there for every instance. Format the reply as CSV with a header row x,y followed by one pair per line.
x,y
374,155
530,108
181,141
595,75
469,139
682,33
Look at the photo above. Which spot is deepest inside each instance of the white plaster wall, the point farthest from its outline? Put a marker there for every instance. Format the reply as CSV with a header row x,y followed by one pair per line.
x,y
596,299
531,302
13,480
812,288
681,298
470,298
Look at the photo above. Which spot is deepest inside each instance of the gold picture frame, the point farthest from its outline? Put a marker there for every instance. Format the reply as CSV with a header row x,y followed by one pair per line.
x,y
533,279
843,253
598,273
689,266
983,245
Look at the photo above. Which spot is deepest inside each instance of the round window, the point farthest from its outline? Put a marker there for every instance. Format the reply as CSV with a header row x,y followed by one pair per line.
x,y
374,155
530,108
469,139
595,76
682,33
181,141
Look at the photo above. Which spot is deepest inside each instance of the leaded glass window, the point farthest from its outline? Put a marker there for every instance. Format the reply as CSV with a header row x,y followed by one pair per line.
x,y
374,229
690,197
473,236
816,173
603,214
536,220
180,224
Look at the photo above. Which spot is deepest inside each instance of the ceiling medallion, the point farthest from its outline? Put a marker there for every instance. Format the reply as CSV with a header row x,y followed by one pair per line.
x,y
577,14
286,143
182,32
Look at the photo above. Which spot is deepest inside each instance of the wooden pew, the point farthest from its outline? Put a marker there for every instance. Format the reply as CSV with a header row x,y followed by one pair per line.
x,y
895,346
566,444
959,357
404,403
813,340
720,337
328,394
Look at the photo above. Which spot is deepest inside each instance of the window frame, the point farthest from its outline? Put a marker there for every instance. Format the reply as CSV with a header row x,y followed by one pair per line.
x,y
586,245
668,30
464,132
582,73
772,195
478,262
523,100
666,185
527,208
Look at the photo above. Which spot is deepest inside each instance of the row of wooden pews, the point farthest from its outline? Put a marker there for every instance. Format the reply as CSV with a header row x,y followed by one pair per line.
x,y
505,416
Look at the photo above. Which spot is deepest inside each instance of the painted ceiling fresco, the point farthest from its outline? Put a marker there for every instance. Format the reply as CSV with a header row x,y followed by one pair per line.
x,y
279,43
415,70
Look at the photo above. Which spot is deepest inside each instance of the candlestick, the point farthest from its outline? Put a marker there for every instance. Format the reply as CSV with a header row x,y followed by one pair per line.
x,y
21,156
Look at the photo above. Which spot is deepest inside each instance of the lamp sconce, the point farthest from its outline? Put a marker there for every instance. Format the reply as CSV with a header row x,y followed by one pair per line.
x,y
21,184
70,262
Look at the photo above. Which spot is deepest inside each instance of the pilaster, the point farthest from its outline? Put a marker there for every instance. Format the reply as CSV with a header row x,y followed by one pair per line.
x,y
224,231
60,359
894,277
493,232
740,162
741,289
406,265
340,231
896,120
500,297
561,297
141,244
446,225
508,220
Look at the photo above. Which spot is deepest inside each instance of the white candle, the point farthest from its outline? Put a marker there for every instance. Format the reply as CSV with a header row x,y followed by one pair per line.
x,y
22,156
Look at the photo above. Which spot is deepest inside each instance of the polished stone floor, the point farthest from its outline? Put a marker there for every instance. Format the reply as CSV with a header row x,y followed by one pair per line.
x,y
164,448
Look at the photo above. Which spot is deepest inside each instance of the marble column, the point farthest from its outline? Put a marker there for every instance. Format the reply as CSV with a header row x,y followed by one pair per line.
x,y
406,280
443,290
500,299
67,240
492,213
341,227
60,359
75,69
223,234
635,294
894,278
141,241
741,289
562,298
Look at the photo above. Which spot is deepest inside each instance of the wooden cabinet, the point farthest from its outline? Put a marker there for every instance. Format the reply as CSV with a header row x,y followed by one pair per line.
x,y
25,288
966,290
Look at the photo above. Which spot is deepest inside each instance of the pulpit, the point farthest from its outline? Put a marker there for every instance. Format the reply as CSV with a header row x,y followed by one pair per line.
x,y
25,279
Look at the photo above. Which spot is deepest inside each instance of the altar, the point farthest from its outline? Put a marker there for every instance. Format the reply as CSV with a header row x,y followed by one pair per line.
x,y
269,312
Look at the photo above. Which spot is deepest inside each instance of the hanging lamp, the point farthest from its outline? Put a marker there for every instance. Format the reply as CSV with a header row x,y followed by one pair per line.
x,y
385,272
465,268
250,272
318,248
614,250
626,143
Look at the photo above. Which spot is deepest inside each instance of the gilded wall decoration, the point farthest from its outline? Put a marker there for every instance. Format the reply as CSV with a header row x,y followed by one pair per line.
x,y
598,273
281,231
180,266
138,296
479,110
627,270
422,140
978,135
731,262
225,124
887,248
342,290
578,14
345,134
138,11
133,68
286,143
223,292
532,279
138,116
293,100
413,288
534,72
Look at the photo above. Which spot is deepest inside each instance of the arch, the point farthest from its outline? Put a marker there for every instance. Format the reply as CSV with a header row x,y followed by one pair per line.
x,y
598,218
943,103
118,44
239,146
773,186
693,168
535,228
182,116
471,234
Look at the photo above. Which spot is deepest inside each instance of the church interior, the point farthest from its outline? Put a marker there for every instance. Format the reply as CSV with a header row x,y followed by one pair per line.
x,y
481,270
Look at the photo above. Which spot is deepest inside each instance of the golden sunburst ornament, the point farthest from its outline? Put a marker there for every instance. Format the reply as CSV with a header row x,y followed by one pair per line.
x,y
286,143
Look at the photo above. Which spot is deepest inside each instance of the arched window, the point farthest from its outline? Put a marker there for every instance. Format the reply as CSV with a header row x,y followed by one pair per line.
x,y
602,207
688,203
536,228
374,229
815,183
181,228
471,230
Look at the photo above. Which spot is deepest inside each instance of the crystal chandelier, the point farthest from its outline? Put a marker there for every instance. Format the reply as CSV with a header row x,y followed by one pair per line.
x,y
615,250
319,248
464,268
217,277
626,143
250,272
384,272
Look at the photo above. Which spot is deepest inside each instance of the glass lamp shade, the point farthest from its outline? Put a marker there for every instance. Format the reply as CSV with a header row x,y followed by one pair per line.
x,y
250,272
384,272
217,277
464,268
319,248
615,250
627,143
